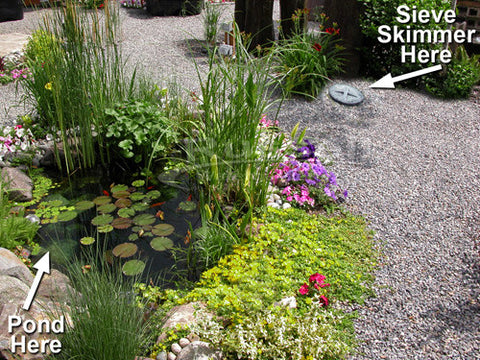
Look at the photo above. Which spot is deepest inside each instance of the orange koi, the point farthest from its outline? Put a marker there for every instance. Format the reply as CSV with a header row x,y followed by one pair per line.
x,y
188,237
160,214
157,204
151,187
105,192
189,197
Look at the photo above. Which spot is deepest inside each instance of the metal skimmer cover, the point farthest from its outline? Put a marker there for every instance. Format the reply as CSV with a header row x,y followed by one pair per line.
x,y
345,94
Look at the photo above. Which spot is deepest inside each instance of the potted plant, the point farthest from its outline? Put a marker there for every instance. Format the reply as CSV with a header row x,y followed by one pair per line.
x,y
174,7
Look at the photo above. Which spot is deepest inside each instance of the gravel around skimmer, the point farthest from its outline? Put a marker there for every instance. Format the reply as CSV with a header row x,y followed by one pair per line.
x,y
411,164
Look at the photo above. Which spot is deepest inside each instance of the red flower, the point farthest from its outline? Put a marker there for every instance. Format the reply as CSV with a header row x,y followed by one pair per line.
x,y
323,300
303,289
317,46
101,6
332,31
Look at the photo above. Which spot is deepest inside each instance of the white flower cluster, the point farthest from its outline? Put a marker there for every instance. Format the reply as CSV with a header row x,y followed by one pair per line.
x,y
15,139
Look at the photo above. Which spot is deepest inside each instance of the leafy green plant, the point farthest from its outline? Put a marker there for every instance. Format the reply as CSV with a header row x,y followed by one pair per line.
x,y
105,322
461,75
380,59
306,60
15,230
140,130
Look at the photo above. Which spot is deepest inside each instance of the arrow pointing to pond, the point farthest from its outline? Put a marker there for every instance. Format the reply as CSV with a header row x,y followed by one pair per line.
x,y
387,82
43,266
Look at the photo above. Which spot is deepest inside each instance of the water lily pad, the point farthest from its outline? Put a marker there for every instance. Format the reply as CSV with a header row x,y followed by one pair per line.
x,y
144,219
154,194
147,227
163,229
133,267
126,212
105,228
52,203
125,250
147,234
123,203
103,219
136,228
119,187
122,223
67,215
106,208
133,237
121,194
138,183
187,206
140,207
161,243
87,240
101,200
84,205
137,196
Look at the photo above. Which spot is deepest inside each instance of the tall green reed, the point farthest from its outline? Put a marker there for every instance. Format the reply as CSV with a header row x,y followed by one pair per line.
x,y
83,74
229,155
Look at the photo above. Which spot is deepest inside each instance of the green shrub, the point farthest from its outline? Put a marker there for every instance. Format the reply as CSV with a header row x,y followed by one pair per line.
x,y
307,60
463,72
380,59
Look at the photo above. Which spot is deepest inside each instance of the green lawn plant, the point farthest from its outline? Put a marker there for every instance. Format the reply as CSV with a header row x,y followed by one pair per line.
x,y
211,17
307,59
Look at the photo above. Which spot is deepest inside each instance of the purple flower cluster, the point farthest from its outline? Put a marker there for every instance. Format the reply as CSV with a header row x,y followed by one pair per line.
x,y
299,174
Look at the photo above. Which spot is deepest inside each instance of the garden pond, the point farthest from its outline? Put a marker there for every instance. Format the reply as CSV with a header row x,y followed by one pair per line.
x,y
135,224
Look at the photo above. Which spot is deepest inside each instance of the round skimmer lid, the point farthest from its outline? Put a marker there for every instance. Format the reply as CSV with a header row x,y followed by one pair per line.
x,y
345,94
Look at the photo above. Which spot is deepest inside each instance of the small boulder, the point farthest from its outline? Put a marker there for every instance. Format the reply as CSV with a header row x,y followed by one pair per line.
x,y
19,183
11,265
199,350
55,286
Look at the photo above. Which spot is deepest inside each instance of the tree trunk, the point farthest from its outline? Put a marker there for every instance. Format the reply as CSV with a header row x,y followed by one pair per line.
x,y
346,14
254,17
287,9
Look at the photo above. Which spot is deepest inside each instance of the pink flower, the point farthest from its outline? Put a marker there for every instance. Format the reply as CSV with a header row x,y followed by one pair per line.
x,y
303,289
319,278
323,300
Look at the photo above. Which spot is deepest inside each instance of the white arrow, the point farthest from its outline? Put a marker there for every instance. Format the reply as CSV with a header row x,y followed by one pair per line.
x,y
43,266
387,82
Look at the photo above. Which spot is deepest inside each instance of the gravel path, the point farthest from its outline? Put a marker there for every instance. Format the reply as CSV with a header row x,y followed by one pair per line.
x,y
411,165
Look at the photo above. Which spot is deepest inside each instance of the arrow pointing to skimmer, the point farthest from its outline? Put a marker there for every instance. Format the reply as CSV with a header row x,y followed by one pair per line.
x,y
387,82
43,266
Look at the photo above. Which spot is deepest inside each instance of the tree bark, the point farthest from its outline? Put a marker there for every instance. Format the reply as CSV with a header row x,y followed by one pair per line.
x,y
346,14
287,9
254,17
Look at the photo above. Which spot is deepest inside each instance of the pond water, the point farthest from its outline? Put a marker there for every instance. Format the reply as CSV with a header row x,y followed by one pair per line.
x,y
135,224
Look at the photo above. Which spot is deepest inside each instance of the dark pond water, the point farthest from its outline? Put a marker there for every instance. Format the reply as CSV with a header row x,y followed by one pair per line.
x,y
135,224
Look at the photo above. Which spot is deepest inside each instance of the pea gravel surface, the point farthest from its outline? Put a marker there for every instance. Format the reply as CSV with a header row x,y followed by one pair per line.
x,y
411,164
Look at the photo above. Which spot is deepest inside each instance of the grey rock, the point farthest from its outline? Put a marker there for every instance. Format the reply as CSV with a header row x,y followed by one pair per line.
x,y
183,342
199,350
19,183
11,265
55,286
171,356
176,348
286,206
161,356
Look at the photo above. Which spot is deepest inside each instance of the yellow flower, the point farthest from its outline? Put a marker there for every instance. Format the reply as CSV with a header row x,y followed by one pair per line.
x,y
48,86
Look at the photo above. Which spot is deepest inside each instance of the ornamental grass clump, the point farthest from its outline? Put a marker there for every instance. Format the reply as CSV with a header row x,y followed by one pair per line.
x,y
306,60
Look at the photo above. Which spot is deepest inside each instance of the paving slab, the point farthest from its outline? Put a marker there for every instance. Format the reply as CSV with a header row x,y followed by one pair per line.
x,y
10,43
